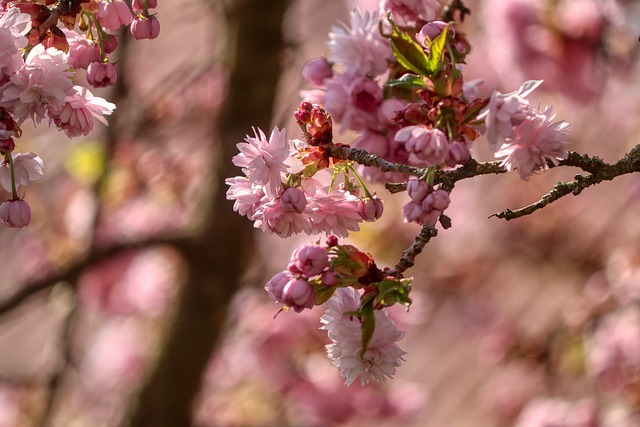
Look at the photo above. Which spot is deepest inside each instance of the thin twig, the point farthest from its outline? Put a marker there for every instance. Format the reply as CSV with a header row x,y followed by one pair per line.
x,y
408,256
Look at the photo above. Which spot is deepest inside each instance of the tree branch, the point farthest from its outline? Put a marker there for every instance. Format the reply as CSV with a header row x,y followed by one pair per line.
x,y
408,256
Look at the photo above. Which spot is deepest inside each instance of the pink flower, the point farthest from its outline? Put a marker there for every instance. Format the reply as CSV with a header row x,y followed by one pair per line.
x,y
370,209
426,147
506,111
270,216
336,213
26,167
293,200
102,74
13,26
410,12
426,204
43,80
360,48
298,294
82,51
138,5
146,27
80,112
536,141
353,101
15,213
263,161
276,284
308,260
382,356
114,14
316,71
246,195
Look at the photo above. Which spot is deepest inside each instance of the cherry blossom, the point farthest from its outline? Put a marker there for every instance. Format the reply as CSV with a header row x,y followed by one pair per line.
x,y
263,161
382,356
44,80
360,48
80,111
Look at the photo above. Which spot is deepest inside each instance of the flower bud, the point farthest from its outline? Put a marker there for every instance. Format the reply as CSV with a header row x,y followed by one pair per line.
x,y
370,209
417,189
15,213
329,278
145,28
298,294
440,200
316,71
109,43
332,241
458,154
102,74
293,200
138,5
276,284
308,260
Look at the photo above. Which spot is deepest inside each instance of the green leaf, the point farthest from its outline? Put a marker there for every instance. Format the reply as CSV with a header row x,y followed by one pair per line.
x,y
393,291
322,292
368,317
436,51
408,52
408,81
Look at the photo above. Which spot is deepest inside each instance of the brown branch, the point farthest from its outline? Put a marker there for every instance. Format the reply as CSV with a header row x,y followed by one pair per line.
x,y
364,158
408,256
600,171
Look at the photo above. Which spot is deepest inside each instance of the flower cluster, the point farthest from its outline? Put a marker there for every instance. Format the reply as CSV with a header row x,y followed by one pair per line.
x,y
355,293
288,189
38,64
394,77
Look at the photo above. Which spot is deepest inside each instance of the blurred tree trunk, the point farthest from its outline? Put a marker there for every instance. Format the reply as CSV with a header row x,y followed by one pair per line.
x,y
215,258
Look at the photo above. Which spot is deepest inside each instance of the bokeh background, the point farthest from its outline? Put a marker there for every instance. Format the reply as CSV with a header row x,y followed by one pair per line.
x,y
135,297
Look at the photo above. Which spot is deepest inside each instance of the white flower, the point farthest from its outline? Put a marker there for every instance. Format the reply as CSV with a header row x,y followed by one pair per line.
x,y
382,355
26,167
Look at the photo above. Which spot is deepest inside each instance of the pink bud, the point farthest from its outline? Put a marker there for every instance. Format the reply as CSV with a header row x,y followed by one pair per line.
x,y
332,241
298,294
417,189
145,28
102,74
458,154
293,200
114,14
329,278
15,213
316,71
440,199
109,43
370,209
138,5
276,284
308,260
